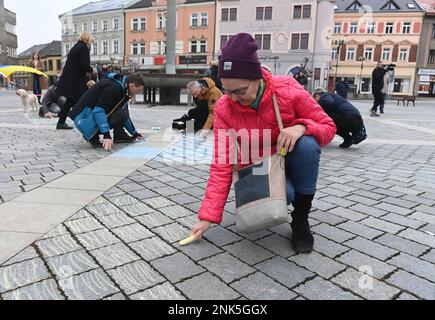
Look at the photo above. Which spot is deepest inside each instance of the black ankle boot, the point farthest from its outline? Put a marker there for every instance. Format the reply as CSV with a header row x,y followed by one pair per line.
x,y
302,240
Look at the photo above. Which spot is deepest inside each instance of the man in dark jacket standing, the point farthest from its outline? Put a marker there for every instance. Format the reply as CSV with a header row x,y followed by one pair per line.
x,y
346,117
377,86
342,88
105,107
72,83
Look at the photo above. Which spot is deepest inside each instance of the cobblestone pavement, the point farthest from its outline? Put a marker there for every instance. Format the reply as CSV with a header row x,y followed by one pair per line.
x,y
373,220
33,153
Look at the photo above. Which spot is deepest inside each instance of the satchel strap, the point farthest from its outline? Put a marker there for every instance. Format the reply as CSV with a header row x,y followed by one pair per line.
x,y
278,114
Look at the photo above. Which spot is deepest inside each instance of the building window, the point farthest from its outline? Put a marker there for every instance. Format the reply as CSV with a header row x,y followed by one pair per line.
x,y
368,53
105,25
67,48
354,6
431,59
229,14
142,48
204,19
433,31
161,46
10,28
334,54
295,41
198,46
366,84
95,26
194,17
403,55
199,20
85,26
371,27
353,27
161,21
337,28
115,24
115,47
75,28
306,12
143,24
406,27
224,40
58,65
105,47
138,24
300,12
350,55
304,41
389,27
401,85
138,49
300,41
263,41
386,54
297,12
135,49
135,24
263,13
50,65
95,48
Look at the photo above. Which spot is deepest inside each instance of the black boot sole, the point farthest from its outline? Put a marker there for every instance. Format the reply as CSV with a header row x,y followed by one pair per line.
x,y
302,249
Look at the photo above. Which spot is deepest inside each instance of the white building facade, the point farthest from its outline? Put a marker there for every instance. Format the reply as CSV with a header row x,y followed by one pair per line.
x,y
105,20
290,33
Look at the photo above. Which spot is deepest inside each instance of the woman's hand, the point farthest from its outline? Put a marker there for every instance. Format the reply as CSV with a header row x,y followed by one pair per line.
x,y
199,230
288,138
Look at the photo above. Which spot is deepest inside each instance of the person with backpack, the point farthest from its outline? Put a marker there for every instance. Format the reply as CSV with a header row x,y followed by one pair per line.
x,y
105,107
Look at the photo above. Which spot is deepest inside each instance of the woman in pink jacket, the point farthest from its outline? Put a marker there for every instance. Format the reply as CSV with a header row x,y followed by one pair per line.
x,y
247,108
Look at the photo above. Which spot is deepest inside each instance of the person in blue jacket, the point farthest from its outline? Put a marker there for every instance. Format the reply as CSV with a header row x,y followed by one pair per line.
x,y
105,107
346,116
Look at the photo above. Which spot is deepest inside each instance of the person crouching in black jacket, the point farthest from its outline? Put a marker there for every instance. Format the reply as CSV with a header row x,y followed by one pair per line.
x,y
104,107
346,117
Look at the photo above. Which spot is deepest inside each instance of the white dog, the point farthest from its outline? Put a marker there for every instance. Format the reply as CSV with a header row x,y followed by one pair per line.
x,y
28,100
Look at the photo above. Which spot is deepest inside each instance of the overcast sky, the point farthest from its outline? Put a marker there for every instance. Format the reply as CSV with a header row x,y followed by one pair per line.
x,y
37,21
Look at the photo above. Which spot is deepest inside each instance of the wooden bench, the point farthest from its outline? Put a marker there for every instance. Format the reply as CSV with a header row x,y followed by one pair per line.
x,y
404,98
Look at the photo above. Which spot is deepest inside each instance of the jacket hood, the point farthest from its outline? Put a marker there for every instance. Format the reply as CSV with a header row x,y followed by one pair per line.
x,y
210,83
119,78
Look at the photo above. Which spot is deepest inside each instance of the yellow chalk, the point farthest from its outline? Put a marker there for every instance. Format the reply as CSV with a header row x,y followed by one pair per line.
x,y
187,241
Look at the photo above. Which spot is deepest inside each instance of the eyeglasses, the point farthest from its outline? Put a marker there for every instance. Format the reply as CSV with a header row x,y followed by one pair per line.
x,y
238,92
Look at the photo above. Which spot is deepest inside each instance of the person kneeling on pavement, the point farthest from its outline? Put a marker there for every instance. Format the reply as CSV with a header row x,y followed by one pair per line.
x,y
104,107
206,95
346,117
51,103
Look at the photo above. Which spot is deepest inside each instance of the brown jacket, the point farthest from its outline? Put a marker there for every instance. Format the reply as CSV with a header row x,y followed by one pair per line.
x,y
40,66
212,96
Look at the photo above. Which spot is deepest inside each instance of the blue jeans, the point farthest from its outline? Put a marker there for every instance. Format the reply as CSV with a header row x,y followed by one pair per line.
x,y
302,168
37,85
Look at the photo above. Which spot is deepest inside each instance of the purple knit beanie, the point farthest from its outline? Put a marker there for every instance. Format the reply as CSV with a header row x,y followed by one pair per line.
x,y
239,58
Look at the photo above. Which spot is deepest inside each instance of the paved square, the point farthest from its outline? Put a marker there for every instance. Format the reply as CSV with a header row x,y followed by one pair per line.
x,y
373,220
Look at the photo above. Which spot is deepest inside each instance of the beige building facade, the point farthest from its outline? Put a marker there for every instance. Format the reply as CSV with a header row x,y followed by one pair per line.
x,y
367,32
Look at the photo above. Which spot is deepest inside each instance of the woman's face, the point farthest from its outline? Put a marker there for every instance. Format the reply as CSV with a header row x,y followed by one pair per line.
x,y
243,91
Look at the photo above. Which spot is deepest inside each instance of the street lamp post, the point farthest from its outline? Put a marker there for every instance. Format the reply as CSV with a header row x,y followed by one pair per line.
x,y
361,59
275,58
339,44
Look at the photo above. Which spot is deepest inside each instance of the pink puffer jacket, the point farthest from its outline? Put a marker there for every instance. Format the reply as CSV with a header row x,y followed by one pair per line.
x,y
296,106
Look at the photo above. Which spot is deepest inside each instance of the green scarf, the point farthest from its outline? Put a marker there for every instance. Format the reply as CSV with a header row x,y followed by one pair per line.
x,y
256,104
